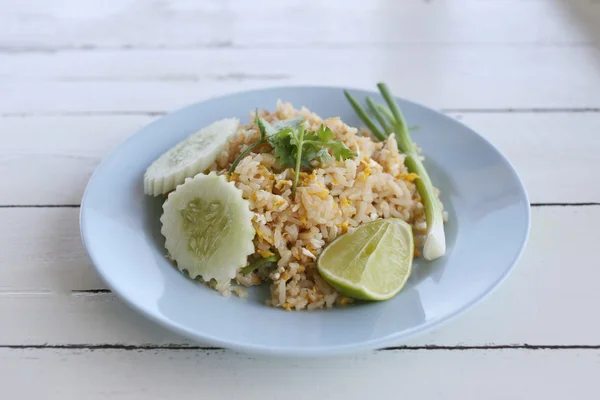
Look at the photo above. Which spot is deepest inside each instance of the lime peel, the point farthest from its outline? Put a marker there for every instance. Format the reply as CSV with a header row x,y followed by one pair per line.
x,y
373,262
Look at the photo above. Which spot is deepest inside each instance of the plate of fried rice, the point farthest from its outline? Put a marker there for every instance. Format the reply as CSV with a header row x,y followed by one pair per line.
x,y
304,221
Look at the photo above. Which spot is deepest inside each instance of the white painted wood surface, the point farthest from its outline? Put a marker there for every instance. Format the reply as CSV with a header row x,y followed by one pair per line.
x,y
77,77
74,24
55,287
423,374
450,77
532,141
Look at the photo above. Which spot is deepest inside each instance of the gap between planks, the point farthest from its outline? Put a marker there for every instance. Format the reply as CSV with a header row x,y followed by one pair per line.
x,y
103,291
125,347
157,113
230,45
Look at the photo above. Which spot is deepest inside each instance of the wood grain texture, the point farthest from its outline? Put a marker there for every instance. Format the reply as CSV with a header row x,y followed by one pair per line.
x,y
160,81
77,77
37,25
545,149
46,263
497,374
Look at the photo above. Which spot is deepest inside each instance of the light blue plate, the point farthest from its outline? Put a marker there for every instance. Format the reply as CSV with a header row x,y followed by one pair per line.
x,y
486,233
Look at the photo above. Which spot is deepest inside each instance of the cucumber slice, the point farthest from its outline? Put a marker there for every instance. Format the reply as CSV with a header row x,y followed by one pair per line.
x,y
208,227
189,157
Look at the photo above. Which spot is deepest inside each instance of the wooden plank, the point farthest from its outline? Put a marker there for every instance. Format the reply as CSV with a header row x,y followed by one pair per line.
x,y
547,300
545,149
549,151
67,148
44,252
442,77
499,374
66,24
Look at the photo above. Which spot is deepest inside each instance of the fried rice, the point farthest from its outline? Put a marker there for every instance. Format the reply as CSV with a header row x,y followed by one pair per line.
x,y
332,199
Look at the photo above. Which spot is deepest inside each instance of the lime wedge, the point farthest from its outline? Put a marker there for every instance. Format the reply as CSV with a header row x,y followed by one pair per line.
x,y
371,263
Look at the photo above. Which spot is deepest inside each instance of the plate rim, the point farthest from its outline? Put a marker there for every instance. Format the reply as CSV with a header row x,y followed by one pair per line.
x,y
297,351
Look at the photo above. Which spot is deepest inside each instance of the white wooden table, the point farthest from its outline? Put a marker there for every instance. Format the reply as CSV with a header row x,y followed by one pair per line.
x,y
76,77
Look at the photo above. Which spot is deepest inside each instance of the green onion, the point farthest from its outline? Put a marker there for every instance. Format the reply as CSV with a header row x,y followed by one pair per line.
x,y
380,108
373,108
262,128
244,154
435,242
259,263
364,117
405,144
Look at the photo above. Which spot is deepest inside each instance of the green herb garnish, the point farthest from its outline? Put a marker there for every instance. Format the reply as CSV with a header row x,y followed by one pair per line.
x,y
259,263
393,123
263,139
294,147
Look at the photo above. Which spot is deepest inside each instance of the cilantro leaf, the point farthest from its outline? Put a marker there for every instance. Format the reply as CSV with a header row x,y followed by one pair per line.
x,y
323,156
324,134
313,148
292,123
266,129
340,150
284,147
322,139
294,147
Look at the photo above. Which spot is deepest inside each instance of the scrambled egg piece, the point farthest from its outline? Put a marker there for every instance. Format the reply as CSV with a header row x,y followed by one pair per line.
x,y
344,226
263,237
265,253
366,170
322,194
409,177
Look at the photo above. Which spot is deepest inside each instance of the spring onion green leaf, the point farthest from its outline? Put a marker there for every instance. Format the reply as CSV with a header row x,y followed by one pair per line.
x,y
387,115
393,106
373,108
264,128
244,153
362,114
261,262
392,121
262,125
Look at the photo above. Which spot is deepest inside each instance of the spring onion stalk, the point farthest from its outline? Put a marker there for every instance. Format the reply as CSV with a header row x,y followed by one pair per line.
x,y
435,241
244,154
259,263
262,129
362,114
373,108
385,112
